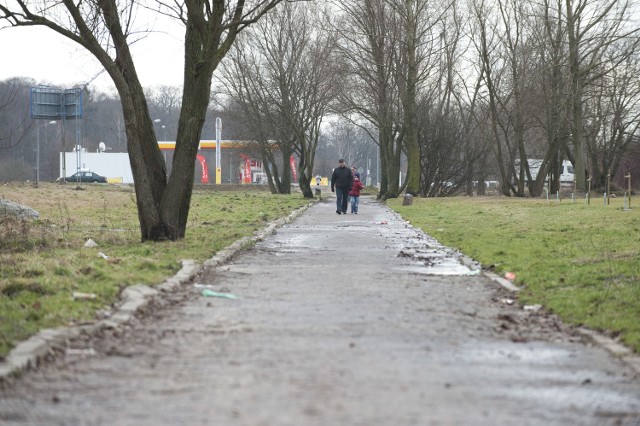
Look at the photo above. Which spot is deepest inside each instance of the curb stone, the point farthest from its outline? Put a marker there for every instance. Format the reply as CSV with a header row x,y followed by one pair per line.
x,y
617,349
620,351
29,353
502,281
224,255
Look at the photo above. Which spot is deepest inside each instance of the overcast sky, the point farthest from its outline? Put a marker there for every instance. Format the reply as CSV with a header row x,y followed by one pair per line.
x,y
51,59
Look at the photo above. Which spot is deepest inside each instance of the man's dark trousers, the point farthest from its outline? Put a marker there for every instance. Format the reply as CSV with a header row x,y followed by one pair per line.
x,y
342,199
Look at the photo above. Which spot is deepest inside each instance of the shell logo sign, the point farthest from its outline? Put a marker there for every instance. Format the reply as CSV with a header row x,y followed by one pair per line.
x,y
292,162
246,171
250,169
205,169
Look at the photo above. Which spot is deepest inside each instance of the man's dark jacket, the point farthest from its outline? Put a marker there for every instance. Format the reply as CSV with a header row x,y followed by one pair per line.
x,y
341,178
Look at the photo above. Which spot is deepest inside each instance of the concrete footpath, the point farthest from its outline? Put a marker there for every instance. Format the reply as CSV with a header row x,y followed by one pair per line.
x,y
332,320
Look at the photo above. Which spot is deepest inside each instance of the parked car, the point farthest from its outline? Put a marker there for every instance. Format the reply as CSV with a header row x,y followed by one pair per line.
x,y
86,177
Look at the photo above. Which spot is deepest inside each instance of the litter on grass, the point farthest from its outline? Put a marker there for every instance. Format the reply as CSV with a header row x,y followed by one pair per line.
x,y
196,285
532,308
80,352
83,296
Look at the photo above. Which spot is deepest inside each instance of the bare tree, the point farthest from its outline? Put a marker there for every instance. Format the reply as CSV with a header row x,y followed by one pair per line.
x,y
17,130
512,15
289,80
592,27
537,87
106,28
247,89
164,104
407,67
414,62
550,90
340,136
485,41
445,108
10,92
351,141
506,46
613,111
369,40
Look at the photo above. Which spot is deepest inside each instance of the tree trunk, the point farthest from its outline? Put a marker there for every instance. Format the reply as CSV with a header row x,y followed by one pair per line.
x,y
176,200
392,168
305,185
577,127
149,173
285,181
147,163
103,28
305,176
411,123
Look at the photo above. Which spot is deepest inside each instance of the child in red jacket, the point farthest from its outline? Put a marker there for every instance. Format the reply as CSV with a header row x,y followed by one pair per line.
x,y
354,194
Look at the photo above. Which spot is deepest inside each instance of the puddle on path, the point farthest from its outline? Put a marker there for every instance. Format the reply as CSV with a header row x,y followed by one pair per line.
x,y
445,268
429,257
425,254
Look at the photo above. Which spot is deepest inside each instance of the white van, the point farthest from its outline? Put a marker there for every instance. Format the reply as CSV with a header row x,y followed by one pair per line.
x,y
567,174
566,170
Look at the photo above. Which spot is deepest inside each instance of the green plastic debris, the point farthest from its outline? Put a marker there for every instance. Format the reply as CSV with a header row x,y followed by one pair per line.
x,y
210,293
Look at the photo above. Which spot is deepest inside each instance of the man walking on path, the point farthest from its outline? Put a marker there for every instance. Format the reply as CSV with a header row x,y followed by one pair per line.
x,y
341,183
409,333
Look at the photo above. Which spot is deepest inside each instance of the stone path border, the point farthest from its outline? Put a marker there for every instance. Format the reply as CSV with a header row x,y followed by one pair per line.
x,y
615,348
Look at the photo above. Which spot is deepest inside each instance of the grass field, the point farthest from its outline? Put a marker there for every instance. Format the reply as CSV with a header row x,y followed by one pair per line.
x,y
42,263
580,261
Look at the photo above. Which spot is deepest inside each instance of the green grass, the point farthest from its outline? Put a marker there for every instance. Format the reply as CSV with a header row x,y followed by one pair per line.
x,y
580,261
43,262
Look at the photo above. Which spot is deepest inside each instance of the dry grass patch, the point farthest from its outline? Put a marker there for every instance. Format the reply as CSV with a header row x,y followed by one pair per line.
x,y
43,262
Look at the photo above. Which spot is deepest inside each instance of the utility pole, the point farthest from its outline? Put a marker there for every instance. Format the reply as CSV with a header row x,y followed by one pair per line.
x,y
218,151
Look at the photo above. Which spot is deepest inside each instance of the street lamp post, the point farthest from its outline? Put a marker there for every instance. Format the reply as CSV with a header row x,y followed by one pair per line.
x,y
156,121
378,167
164,128
38,150
218,150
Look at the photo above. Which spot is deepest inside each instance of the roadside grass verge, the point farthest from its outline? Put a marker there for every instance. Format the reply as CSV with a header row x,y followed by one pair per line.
x,y
43,262
579,261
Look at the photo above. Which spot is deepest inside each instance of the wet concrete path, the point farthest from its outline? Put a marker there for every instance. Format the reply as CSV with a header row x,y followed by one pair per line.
x,y
339,320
